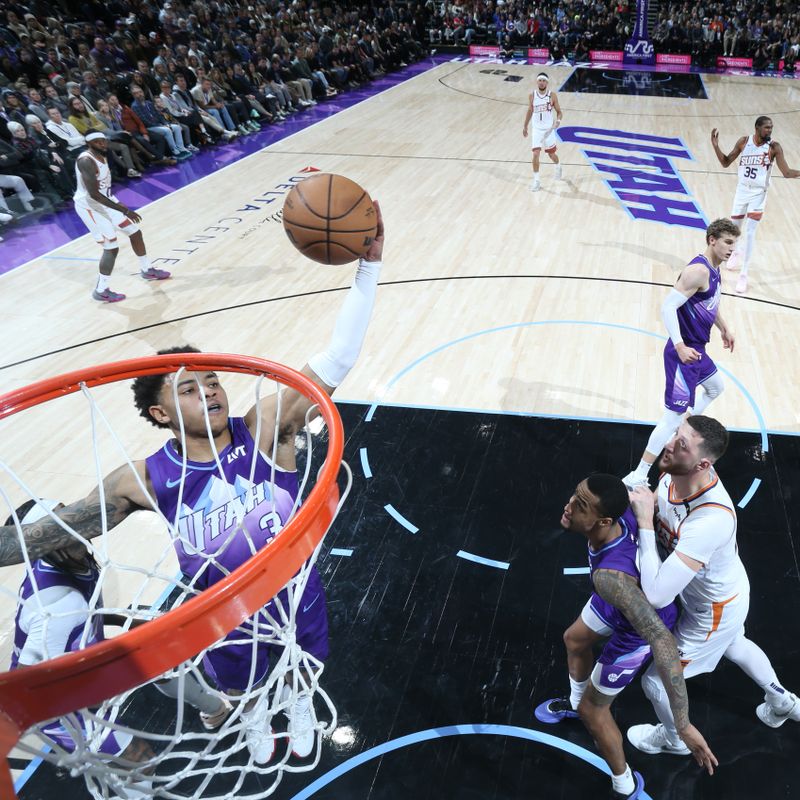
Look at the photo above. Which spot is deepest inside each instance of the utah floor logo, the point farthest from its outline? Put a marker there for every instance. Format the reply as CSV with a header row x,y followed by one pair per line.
x,y
639,171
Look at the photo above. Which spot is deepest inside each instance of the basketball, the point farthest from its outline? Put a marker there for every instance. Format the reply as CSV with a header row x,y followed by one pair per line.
x,y
330,219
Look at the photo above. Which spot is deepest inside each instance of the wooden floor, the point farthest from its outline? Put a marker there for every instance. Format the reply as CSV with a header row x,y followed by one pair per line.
x,y
543,303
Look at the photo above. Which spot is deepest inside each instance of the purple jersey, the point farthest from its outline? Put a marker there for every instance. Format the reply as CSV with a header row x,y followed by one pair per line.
x,y
44,576
697,314
214,507
621,555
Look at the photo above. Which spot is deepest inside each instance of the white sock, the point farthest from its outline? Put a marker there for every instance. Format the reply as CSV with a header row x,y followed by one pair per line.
x,y
144,263
576,690
558,170
624,784
102,282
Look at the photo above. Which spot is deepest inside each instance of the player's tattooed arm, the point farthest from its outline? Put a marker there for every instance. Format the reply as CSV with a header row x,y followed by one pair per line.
x,y
84,516
623,592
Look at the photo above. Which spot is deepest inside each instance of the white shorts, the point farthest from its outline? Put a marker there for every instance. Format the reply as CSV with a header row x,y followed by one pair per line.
x,y
749,201
539,140
703,637
594,621
103,225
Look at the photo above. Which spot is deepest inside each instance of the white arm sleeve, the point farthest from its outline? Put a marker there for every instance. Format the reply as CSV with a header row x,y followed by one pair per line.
x,y
661,582
669,314
333,364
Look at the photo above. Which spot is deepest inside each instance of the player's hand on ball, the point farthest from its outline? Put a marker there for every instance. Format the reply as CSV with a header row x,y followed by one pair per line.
x,y
375,252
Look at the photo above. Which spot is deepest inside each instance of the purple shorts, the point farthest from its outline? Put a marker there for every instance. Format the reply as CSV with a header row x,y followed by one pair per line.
x,y
625,653
230,664
682,379
113,743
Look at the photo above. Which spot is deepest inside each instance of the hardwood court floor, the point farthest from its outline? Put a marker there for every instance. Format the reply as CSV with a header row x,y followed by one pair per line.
x,y
494,298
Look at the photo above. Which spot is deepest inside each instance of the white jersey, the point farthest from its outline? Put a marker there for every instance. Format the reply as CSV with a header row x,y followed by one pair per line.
x,y
81,196
754,165
703,527
542,105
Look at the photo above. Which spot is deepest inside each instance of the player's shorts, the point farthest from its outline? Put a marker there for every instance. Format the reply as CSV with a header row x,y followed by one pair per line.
x,y
543,138
682,379
625,652
704,635
230,664
113,743
103,225
749,202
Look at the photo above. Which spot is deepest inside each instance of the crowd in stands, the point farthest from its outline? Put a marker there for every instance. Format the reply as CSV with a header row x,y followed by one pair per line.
x,y
163,81
766,32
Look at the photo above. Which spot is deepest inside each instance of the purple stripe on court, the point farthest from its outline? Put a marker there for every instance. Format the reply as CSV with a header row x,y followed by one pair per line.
x,y
27,241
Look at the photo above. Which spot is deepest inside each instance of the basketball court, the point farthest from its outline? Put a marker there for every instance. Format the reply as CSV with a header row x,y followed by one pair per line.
x,y
515,347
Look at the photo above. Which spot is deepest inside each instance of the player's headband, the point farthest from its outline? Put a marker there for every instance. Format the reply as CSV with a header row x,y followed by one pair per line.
x,y
542,76
94,136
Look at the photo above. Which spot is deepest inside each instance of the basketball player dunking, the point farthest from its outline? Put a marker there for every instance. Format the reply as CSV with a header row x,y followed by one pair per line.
x,y
104,215
542,104
210,510
756,155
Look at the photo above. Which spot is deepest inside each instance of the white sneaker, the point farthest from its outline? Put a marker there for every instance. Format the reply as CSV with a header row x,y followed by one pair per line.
x,y
741,284
213,721
4,217
301,723
633,479
773,717
258,734
734,262
535,185
653,739
301,727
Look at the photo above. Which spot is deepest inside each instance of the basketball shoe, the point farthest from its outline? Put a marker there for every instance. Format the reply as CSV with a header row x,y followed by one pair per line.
x,y
741,284
653,739
258,733
535,184
107,296
213,721
153,274
302,733
637,790
554,711
775,716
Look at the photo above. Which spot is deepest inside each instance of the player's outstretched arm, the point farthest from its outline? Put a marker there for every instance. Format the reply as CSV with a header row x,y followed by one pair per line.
x,y
727,160
329,367
122,497
623,593
780,160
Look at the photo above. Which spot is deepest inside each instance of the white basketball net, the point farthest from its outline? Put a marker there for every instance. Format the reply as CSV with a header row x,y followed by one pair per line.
x,y
172,754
